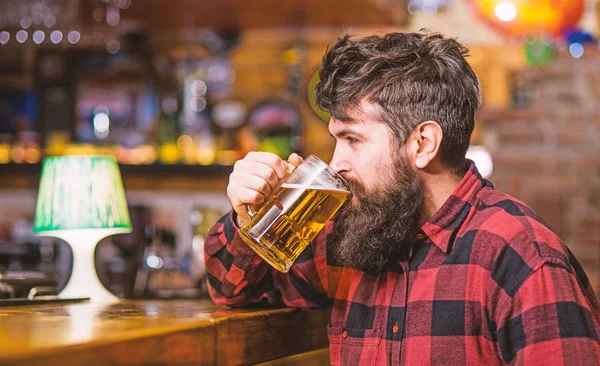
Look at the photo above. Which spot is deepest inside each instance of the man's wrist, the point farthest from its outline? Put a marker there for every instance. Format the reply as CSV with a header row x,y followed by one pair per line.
x,y
238,220
236,243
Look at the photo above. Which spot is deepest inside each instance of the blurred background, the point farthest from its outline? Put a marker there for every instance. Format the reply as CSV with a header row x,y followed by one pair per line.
x,y
178,90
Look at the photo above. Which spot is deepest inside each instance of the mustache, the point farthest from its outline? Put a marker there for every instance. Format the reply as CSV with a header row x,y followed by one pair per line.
x,y
356,188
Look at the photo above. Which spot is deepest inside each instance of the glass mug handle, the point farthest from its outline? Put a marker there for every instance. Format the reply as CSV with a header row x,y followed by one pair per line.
x,y
250,209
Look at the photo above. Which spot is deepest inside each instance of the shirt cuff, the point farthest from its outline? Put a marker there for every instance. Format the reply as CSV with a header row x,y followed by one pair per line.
x,y
237,245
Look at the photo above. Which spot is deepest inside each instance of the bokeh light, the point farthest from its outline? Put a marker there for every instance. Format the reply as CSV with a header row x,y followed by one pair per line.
x,y
482,159
113,46
576,50
38,36
49,21
506,11
74,37
22,36
56,36
26,22
112,16
4,37
516,18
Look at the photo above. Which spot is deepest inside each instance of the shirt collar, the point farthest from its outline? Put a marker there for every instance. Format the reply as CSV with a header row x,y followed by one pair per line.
x,y
441,228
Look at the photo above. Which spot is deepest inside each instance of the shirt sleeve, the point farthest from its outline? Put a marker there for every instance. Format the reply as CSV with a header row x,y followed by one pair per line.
x,y
238,277
552,319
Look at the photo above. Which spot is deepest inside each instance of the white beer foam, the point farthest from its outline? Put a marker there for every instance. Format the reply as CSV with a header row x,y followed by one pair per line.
x,y
306,186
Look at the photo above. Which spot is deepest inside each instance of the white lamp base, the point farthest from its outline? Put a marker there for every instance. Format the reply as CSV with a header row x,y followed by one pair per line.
x,y
84,281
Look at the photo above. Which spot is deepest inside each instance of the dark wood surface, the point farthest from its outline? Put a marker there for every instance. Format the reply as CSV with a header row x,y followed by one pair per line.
x,y
155,333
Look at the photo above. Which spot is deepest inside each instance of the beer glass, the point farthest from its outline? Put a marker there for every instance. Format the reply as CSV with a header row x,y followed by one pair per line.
x,y
293,216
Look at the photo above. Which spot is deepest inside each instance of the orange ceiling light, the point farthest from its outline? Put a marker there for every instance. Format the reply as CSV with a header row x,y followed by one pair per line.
x,y
522,17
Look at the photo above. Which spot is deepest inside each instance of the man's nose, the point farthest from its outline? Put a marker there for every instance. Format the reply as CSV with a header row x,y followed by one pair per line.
x,y
338,164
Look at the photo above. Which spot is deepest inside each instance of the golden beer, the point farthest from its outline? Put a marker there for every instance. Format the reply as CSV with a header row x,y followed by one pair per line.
x,y
290,220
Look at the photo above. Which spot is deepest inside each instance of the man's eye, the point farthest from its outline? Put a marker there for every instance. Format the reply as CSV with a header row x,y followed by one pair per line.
x,y
351,140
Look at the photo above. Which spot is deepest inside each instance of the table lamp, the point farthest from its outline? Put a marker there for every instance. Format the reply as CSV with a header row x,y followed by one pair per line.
x,y
81,200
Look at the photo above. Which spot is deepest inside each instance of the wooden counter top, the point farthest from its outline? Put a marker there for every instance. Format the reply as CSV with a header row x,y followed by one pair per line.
x,y
155,333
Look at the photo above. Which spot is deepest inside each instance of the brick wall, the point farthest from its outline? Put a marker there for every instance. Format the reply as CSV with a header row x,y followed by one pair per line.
x,y
546,150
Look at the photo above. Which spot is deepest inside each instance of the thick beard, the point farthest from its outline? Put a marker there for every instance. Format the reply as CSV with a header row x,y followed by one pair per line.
x,y
380,228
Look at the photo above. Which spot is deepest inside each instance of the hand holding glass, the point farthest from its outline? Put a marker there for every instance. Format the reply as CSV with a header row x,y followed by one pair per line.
x,y
292,217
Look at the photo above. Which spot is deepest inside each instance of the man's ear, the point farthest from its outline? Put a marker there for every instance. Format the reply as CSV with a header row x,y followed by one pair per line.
x,y
425,142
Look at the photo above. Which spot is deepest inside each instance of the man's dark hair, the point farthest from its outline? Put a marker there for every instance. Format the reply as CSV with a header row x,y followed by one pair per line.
x,y
411,78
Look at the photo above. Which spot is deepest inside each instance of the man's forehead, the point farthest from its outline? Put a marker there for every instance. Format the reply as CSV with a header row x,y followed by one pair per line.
x,y
360,119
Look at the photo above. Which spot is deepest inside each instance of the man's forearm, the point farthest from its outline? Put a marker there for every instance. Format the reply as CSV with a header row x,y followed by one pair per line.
x,y
236,275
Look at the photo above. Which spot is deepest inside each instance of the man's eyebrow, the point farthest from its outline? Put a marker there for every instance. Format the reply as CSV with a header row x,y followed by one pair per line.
x,y
345,132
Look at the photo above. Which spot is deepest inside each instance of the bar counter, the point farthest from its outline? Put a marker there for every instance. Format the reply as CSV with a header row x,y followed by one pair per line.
x,y
157,332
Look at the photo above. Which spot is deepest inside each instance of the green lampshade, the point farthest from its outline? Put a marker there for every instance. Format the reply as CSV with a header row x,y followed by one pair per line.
x,y
81,192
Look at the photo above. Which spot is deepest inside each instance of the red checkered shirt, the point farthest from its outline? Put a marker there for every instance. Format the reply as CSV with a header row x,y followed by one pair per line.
x,y
487,283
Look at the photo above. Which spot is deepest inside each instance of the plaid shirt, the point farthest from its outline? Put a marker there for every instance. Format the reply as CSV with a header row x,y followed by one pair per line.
x,y
487,282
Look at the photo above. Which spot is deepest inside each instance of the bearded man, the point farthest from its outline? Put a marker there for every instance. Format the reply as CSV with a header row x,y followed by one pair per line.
x,y
427,263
